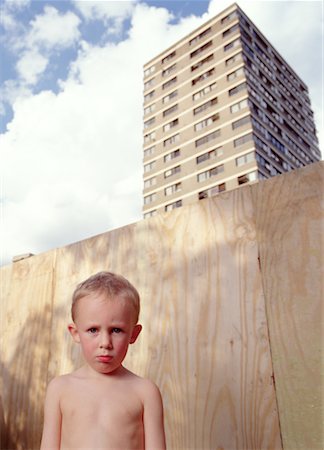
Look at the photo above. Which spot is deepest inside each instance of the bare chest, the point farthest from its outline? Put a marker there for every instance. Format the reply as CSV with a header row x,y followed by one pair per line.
x,y
102,418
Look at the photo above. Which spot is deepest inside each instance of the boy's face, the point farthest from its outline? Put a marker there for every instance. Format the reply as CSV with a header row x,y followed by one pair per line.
x,y
104,328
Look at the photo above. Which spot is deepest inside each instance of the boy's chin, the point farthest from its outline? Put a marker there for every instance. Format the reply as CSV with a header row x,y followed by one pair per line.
x,y
106,369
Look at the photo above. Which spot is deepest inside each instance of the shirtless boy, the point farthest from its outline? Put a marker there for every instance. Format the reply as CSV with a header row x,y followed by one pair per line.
x,y
103,405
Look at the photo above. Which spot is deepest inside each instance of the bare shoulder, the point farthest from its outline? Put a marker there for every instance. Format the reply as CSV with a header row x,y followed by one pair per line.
x,y
150,387
59,384
147,389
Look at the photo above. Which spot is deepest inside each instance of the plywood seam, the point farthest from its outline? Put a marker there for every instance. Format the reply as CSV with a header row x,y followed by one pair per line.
x,y
53,291
258,238
270,345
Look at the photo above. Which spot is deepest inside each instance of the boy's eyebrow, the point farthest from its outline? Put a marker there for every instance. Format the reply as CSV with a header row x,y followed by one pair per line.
x,y
113,324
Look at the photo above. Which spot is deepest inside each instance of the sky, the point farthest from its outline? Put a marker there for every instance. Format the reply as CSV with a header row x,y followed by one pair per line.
x,y
71,105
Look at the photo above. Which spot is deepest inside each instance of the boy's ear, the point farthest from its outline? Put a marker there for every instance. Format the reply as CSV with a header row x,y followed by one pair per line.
x,y
136,331
74,332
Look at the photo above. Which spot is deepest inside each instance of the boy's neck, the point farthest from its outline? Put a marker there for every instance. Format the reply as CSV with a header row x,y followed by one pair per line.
x,y
89,372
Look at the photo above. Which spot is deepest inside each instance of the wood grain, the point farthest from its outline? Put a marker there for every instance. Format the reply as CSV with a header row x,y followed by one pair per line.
x,y
26,341
5,279
204,325
205,329
289,220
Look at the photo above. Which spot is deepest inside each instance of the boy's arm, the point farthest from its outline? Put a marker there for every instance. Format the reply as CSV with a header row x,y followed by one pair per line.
x,y
153,419
51,439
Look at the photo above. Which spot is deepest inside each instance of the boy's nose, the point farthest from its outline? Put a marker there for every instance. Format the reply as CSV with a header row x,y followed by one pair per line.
x,y
105,341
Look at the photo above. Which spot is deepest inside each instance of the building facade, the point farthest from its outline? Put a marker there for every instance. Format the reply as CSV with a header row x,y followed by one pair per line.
x,y
221,109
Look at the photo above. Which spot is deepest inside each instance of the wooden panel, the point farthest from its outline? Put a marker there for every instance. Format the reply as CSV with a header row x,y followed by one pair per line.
x,y
25,349
205,327
205,338
290,232
5,278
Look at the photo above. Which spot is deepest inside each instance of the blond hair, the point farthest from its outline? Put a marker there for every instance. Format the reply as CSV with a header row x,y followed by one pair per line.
x,y
110,284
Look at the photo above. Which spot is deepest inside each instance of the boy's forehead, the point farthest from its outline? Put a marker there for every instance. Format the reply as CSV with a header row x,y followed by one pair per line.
x,y
91,301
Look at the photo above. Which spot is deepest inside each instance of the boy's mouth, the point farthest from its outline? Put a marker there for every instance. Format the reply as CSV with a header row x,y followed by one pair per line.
x,y
104,358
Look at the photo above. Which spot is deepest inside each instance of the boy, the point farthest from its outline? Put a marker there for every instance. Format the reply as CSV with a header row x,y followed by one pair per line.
x,y
103,405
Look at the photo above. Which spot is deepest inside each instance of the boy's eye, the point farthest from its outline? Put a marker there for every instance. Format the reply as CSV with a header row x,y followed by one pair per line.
x,y
116,330
92,330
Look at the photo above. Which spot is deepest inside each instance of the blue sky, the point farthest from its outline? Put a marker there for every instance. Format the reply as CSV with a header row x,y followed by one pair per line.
x,y
71,104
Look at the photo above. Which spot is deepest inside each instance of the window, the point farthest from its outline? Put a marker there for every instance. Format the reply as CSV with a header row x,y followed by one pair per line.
x,y
203,76
238,106
252,176
211,154
204,91
240,122
170,125
169,83
235,74
173,205
200,36
266,165
202,62
203,176
148,96
233,59
150,182
209,137
149,198
170,172
205,106
232,44
168,111
169,70
149,83
168,57
170,96
148,71
243,139
149,109
206,122
171,140
150,137
201,49
149,151
149,122
148,167
150,214
172,189
237,89
229,17
244,159
172,155
231,30
212,191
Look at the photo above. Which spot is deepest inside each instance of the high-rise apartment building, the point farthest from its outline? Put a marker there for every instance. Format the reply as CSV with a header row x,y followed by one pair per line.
x,y
221,108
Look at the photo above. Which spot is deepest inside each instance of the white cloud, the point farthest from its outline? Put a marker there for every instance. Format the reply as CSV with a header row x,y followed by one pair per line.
x,y
105,10
7,20
30,66
34,44
65,154
155,23
72,161
111,13
8,10
10,92
53,29
16,4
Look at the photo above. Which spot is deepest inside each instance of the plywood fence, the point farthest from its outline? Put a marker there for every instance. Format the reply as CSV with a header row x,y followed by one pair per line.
x,y
231,290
